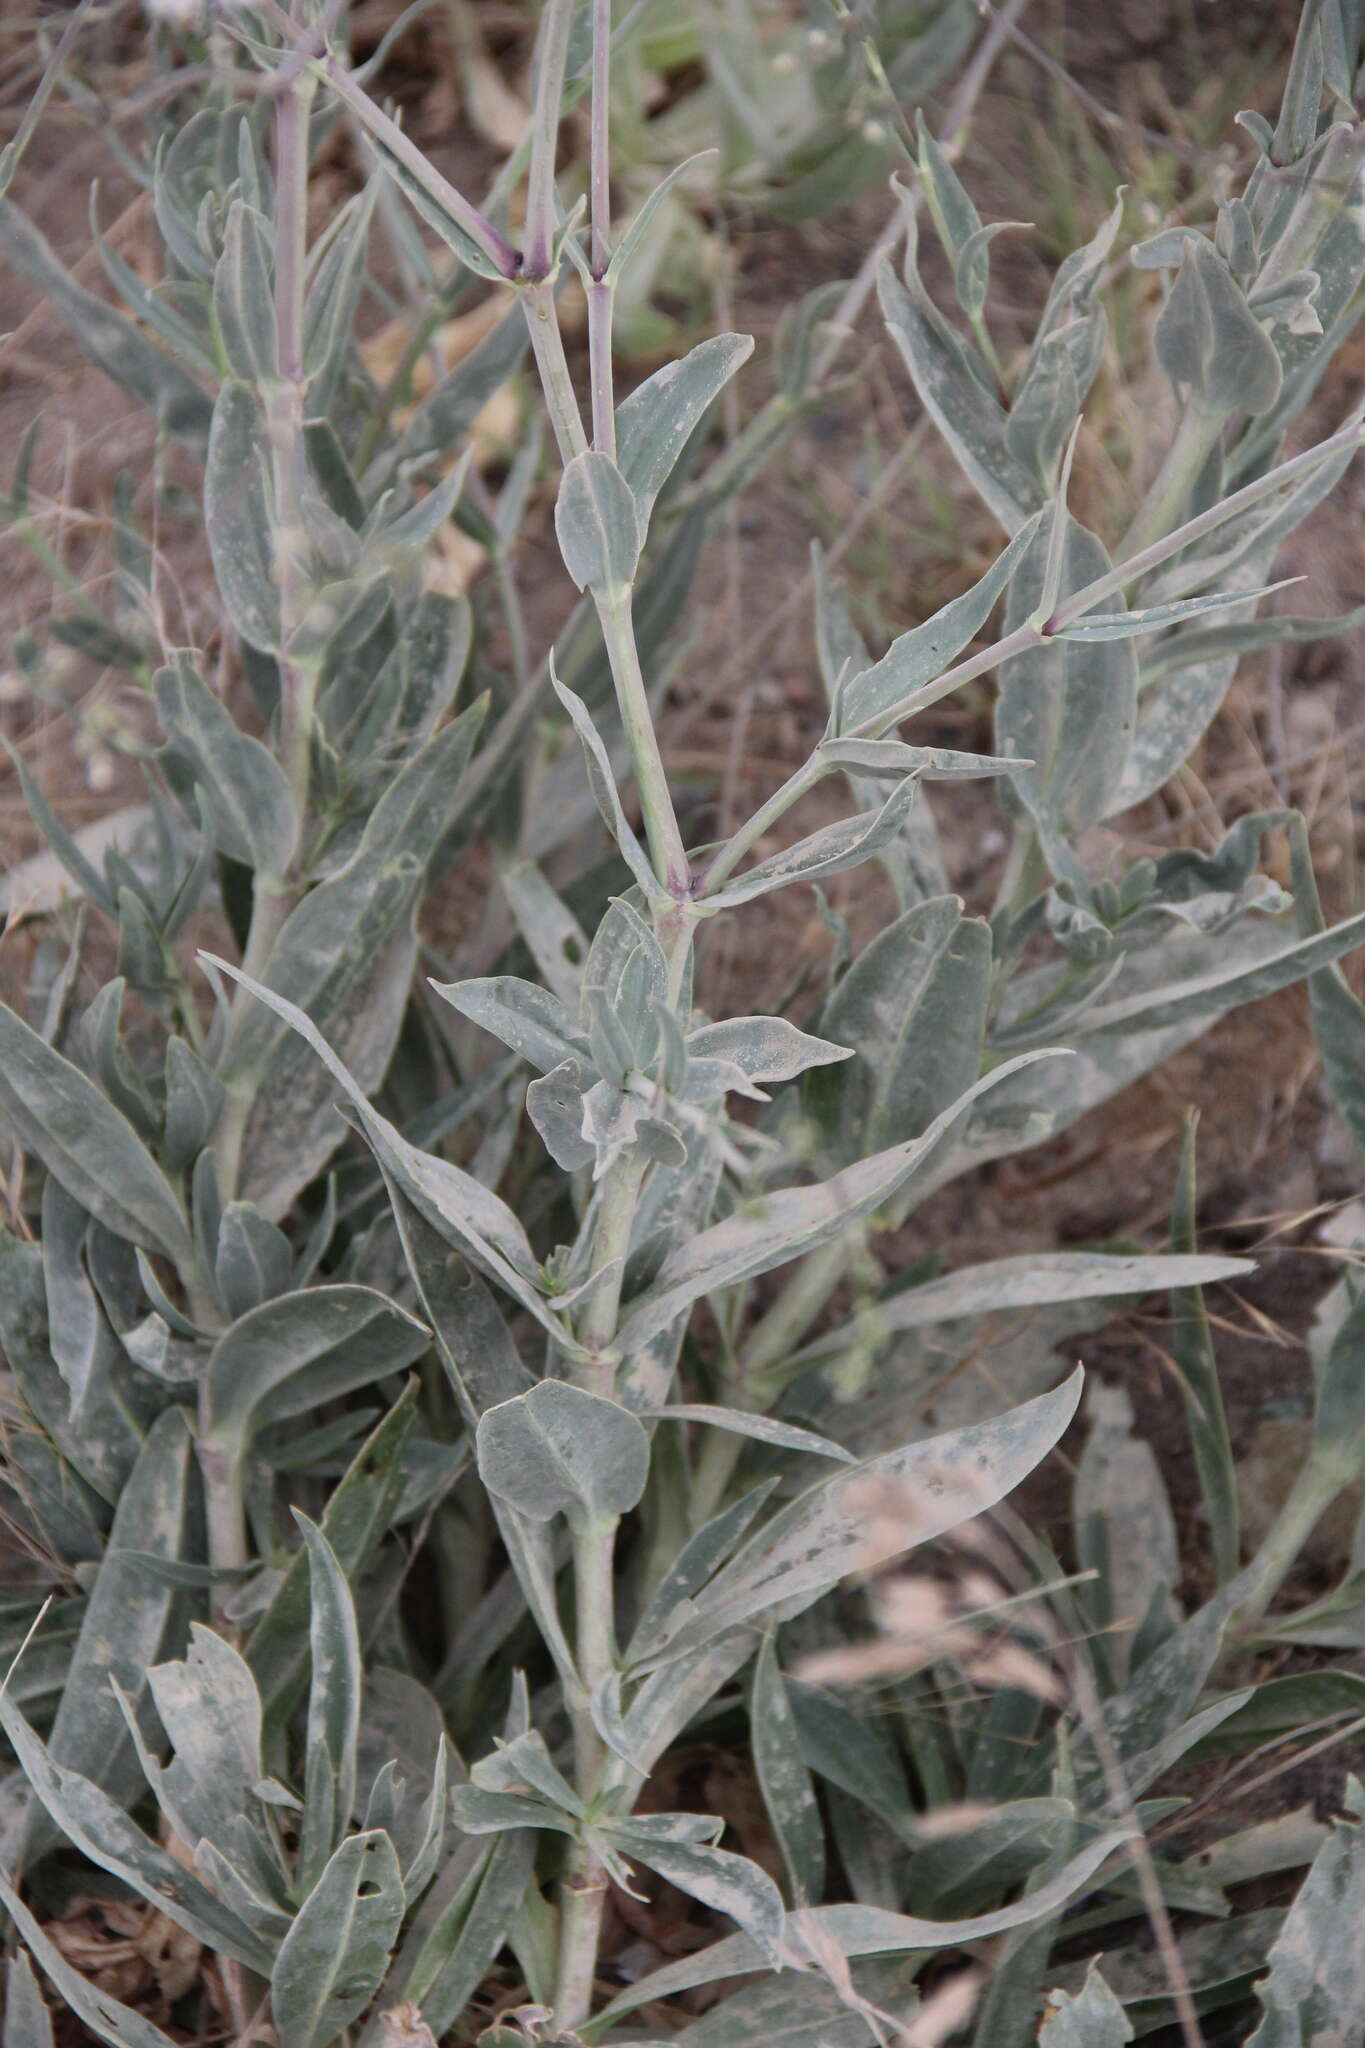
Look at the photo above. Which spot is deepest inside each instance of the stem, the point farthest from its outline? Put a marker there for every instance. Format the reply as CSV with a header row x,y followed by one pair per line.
x,y
583,1889
795,1309
771,1340
732,853
547,345
1316,1487
582,1901
615,1220
656,801
540,185
285,413
602,290
601,300
270,906
1025,870
285,400
1349,437
1169,493
224,1509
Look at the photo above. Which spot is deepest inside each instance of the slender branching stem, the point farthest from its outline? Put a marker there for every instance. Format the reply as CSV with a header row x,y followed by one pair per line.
x,y
547,345
656,799
1029,635
285,401
1191,445
224,1509
552,58
285,407
1034,634
601,297
797,784
602,288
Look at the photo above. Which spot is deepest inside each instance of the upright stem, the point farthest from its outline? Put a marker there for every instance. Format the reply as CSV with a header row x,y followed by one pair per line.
x,y
583,1890
285,402
656,801
540,190
285,412
602,289
547,345
1190,448
768,813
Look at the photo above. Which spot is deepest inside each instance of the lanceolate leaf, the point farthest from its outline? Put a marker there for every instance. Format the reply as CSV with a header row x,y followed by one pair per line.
x,y
112,342
967,416
56,1113
100,1828
447,1958
129,1612
598,520
28,2024
774,1228
865,1931
1216,990
826,852
345,957
1072,708
459,1207
209,1707
913,1006
602,782
764,1429
333,1959
764,1048
289,1356
1192,1346
655,423
472,1341
1153,617
826,1534
1092,2018
725,1882
524,1016
333,1707
242,785
922,654
357,1518
788,1792
239,518
1029,1281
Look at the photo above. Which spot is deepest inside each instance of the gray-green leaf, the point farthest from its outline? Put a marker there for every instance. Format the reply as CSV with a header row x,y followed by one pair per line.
x,y
1091,2018
1314,1996
60,1116
333,1959
288,1356
655,423
561,1450
333,1707
598,521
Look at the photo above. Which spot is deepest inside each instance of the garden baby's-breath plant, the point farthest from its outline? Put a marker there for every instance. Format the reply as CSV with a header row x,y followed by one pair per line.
x,y
393,1512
